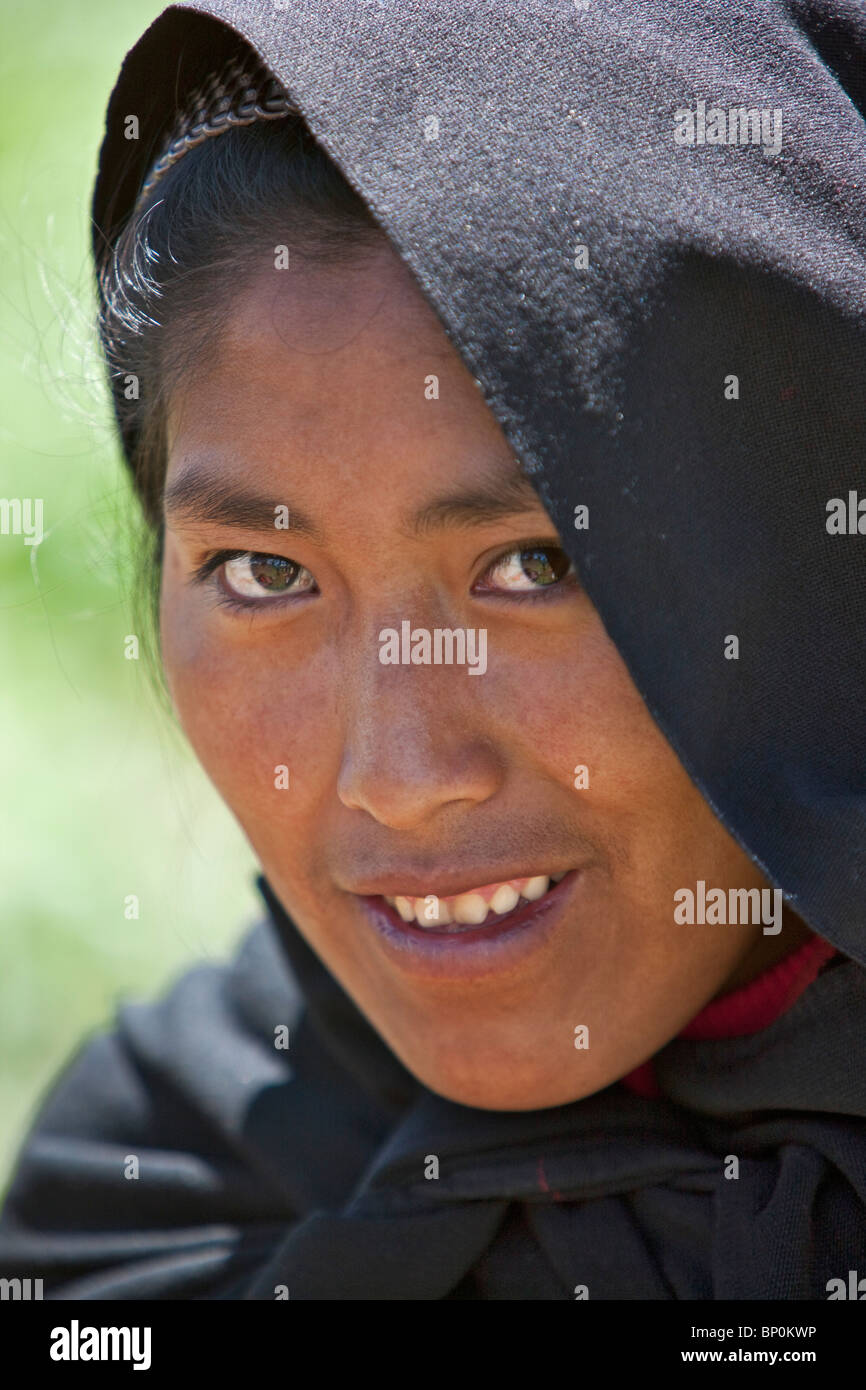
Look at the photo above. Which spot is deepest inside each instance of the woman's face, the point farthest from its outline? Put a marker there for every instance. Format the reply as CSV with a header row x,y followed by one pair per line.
x,y
335,403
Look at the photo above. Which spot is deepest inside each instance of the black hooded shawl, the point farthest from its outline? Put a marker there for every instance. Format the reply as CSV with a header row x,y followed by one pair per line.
x,y
303,1172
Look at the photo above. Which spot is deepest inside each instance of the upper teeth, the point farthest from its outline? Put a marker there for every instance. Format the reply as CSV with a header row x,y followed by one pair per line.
x,y
471,909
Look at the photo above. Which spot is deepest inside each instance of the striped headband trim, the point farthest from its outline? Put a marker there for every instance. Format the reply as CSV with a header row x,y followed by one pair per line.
x,y
242,93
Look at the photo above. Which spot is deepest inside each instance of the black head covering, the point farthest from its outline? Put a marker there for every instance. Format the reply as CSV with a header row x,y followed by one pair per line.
x,y
305,1172
611,380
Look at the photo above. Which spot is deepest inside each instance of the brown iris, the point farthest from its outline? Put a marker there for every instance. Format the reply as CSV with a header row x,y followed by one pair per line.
x,y
544,565
272,572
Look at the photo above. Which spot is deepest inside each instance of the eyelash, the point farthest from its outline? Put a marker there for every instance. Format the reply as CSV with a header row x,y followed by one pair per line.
x,y
205,572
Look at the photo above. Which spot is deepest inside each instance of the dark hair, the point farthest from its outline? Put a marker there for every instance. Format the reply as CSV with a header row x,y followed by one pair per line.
x,y
207,227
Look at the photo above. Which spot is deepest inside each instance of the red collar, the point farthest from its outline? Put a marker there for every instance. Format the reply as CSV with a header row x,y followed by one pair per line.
x,y
747,1009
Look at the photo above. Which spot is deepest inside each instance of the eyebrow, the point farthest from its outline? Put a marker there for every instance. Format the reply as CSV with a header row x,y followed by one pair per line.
x,y
493,500
197,497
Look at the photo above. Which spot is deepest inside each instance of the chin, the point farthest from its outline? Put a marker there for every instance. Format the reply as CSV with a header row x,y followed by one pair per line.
x,y
505,1089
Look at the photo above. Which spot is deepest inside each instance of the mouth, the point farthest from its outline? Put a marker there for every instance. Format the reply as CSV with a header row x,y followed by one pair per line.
x,y
496,928
487,905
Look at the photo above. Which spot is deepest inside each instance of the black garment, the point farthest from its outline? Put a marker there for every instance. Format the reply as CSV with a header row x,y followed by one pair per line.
x,y
707,519
305,1168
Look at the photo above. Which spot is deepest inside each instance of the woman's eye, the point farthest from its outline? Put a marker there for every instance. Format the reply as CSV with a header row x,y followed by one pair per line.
x,y
255,577
528,569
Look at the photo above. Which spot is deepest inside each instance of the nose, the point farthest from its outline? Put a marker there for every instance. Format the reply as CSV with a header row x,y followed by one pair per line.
x,y
414,743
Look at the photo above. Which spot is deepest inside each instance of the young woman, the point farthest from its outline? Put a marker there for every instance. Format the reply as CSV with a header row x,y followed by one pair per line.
x,y
493,384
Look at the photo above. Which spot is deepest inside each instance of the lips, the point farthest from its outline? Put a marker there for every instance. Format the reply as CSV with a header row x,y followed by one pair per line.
x,y
473,908
438,954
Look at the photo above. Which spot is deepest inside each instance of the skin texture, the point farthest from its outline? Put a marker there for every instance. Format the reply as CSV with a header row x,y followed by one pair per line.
x,y
315,397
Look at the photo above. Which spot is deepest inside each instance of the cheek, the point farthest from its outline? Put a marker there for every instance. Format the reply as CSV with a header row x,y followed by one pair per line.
x,y
251,716
581,719
572,702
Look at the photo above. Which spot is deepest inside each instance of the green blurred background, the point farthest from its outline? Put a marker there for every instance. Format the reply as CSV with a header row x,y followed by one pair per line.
x,y
101,796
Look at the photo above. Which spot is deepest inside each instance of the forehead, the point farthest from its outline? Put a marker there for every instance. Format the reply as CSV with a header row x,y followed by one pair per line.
x,y
317,307
334,376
